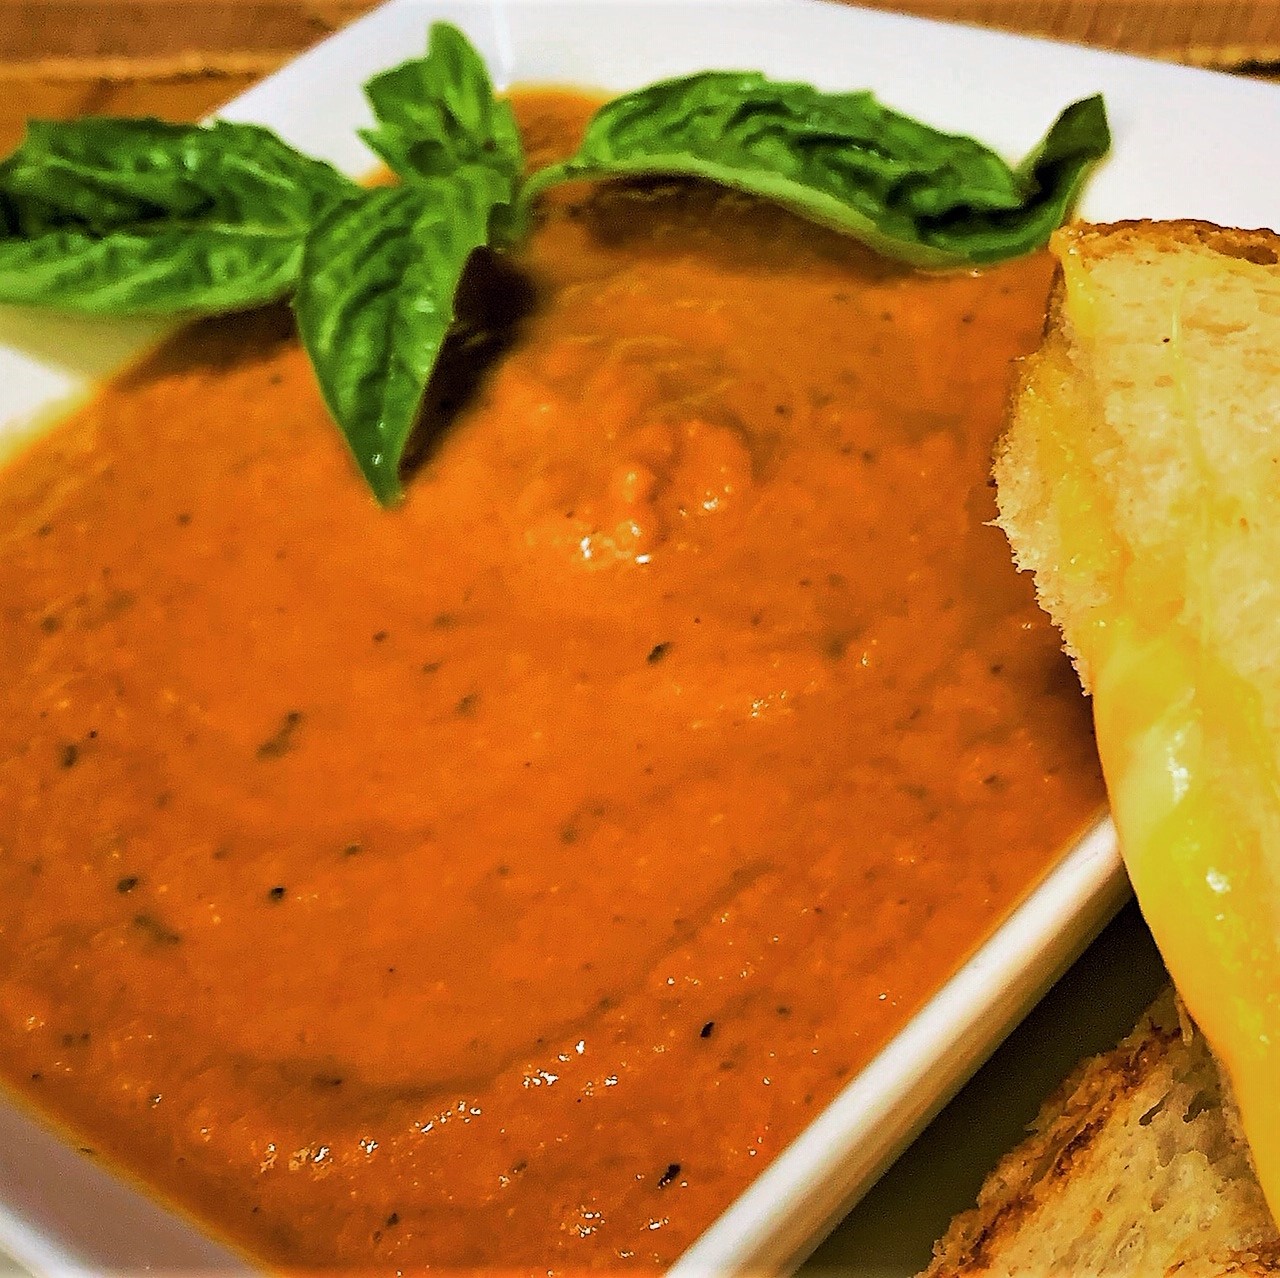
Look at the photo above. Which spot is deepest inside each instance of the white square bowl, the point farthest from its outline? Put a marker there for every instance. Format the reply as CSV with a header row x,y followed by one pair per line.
x,y
1185,146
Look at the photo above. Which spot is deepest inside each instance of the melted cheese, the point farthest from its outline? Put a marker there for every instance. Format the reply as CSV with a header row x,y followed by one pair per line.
x,y
1194,793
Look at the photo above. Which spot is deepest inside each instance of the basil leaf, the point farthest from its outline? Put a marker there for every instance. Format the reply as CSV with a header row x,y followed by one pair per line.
x,y
1051,175
438,113
375,302
141,217
843,159
169,271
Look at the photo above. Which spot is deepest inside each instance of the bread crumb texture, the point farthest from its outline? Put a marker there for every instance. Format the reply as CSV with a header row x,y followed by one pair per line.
x,y
1188,321
1136,1166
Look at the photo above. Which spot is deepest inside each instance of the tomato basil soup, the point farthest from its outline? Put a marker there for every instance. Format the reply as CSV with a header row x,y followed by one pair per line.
x,y
504,879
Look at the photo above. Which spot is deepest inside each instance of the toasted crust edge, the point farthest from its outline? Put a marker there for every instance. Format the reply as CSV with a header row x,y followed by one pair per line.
x,y
1068,1125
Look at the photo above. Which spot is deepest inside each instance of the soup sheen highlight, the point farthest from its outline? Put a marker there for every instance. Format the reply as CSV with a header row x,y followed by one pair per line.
x,y
503,880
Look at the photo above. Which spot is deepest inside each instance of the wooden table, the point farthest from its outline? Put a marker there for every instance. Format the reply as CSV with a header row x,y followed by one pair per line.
x,y
180,58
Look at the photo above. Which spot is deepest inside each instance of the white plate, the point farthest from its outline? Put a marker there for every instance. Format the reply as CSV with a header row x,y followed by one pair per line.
x,y
1185,146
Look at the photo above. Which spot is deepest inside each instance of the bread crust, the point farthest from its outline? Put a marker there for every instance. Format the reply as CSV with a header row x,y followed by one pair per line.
x,y
1260,245
1152,1116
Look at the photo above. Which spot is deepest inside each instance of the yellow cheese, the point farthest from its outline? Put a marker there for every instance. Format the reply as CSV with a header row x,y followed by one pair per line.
x,y
1181,747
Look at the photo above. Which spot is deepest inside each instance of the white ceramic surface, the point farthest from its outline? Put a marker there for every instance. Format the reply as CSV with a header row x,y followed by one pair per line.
x,y
1186,145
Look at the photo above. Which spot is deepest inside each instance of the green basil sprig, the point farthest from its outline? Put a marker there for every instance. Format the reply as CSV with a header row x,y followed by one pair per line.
x,y
139,217
381,270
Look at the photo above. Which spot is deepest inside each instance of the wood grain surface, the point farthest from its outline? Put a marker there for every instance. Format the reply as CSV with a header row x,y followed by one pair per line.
x,y
1222,34
70,36
179,59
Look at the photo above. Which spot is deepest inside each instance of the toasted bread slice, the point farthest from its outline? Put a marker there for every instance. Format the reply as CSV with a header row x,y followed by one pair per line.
x,y
1139,479
1135,1167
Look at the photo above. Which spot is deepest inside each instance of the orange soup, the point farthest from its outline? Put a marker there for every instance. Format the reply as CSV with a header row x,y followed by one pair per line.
x,y
504,879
